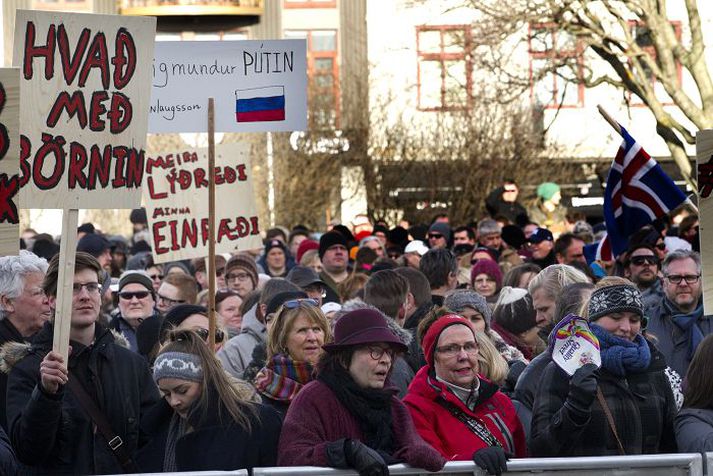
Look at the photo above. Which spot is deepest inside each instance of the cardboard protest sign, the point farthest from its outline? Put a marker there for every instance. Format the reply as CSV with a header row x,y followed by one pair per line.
x,y
9,160
176,196
704,163
573,344
86,84
258,86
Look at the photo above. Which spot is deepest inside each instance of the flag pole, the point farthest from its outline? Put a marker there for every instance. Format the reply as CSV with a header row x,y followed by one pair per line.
x,y
609,119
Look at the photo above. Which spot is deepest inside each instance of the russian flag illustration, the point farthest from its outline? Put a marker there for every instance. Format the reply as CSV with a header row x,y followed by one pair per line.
x,y
260,104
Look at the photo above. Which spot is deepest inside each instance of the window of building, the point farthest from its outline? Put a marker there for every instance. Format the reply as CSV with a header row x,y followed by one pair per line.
x,y
556,67
445,69
323,74
63,5
310,3
642,36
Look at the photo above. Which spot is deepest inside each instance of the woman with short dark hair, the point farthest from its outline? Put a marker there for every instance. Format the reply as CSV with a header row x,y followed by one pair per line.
x,y
350,416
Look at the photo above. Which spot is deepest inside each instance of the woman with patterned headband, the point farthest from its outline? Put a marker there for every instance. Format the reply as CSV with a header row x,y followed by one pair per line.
x,y
204,421
627,406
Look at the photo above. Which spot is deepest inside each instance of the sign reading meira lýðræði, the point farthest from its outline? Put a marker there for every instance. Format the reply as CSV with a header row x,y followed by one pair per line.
x,y
9,160
258,86
175,190
86,84
704,167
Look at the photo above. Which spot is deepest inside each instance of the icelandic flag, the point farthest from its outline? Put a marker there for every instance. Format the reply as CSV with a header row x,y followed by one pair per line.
x,y
260,104
638,192
598,251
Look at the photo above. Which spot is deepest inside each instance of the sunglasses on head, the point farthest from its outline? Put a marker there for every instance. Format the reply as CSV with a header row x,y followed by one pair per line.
x,y
295,303
203,333
129,295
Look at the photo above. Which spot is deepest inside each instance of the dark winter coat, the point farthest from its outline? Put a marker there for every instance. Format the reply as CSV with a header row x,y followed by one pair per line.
x,y
8,333
214,443
642,405
451,437
415,357
670,339
316,417
8,461
694,430
497,207
52,432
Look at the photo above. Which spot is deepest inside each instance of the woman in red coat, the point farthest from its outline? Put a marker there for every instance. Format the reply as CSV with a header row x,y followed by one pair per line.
x,y
458,412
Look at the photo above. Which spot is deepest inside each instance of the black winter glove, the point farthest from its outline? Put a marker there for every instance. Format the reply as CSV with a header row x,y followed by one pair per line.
x,y
583,388
366,461
492,459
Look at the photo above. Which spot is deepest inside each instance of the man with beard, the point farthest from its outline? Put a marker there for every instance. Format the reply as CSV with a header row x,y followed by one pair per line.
x,y
642,268
677,320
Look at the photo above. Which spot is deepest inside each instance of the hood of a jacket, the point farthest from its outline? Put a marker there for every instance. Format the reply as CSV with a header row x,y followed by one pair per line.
x,y
703,414
13,352
251,324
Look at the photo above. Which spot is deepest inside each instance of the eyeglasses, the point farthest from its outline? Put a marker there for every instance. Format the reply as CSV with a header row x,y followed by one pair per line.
x,y
90,287
689,278
484,281
156,277
509,190
434,236
204,333
219,272
129,295
376,352
236,277
661,246
646,259
170,302
451,350
295,303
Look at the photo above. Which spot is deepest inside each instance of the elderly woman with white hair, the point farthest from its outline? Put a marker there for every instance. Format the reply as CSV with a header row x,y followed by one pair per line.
x,y
24,307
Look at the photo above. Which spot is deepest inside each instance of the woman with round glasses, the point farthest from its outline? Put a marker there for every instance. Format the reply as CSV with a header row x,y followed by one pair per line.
x,y
461,414
204,422
295,338
350,416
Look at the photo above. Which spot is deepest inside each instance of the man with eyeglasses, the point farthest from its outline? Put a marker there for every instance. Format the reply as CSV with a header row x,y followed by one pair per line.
x,y
136,304
24,307
642,268
50,429
677,320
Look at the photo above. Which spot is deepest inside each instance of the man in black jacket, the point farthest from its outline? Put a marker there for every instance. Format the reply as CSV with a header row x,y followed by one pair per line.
x,y
24,307
50,429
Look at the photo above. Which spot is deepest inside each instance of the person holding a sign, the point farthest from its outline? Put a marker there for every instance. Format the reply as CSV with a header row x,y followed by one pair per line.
x,y
627,406
461,414
49,400
350,416
204,422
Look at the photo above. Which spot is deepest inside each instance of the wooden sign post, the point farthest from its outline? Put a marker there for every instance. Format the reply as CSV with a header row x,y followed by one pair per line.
x,y
85,89
704,167
9,160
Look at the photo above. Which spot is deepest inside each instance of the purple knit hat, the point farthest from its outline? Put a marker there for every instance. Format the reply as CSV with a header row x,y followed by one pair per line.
x,y
485,266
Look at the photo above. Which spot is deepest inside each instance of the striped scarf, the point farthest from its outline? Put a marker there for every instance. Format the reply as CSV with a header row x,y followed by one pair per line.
x,y
282,378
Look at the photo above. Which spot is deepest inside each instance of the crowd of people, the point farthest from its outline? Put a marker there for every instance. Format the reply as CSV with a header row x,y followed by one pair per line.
x,y
356,347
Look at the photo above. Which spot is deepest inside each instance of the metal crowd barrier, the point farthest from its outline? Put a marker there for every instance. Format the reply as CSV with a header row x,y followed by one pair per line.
x,y
689,464
643,465
708,463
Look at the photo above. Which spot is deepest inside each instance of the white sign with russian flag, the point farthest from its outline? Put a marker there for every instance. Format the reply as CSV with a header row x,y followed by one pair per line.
x,y
258,86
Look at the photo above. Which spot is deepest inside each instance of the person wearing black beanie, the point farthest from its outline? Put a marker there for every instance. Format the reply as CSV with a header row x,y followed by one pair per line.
x,y
190,316
334,254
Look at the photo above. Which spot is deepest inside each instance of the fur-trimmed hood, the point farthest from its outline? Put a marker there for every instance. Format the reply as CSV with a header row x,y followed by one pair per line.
x,y
13,352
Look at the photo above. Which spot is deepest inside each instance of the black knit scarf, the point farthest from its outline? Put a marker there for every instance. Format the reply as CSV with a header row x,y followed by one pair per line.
x,y
371,407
